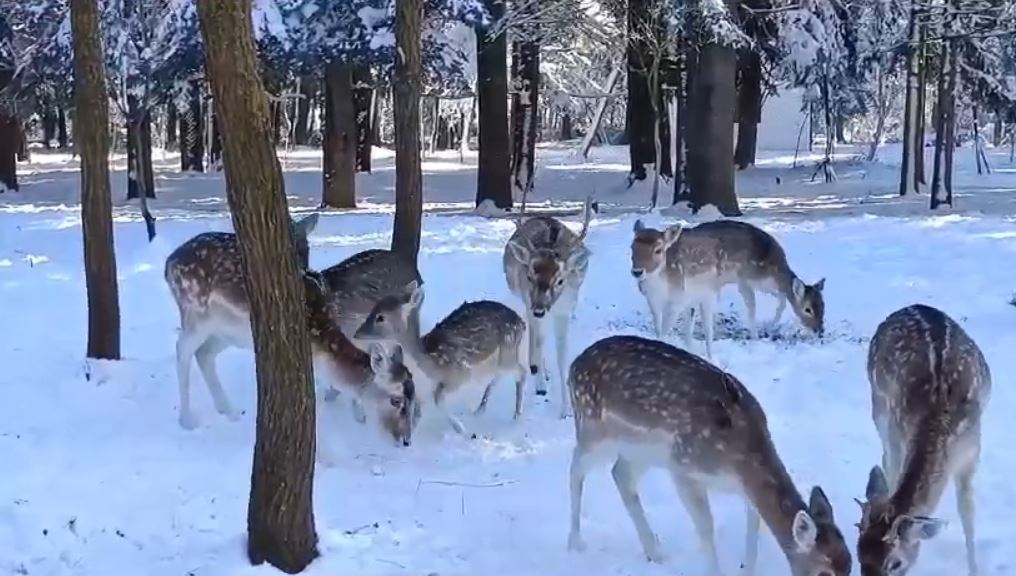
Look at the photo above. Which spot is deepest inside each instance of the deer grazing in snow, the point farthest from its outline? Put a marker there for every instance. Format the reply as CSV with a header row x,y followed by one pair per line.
x,y
681,268
545,264
206,279
929,385
642,403
478,342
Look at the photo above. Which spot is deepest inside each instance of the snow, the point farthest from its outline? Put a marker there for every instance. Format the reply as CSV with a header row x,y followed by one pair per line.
x,y
98,478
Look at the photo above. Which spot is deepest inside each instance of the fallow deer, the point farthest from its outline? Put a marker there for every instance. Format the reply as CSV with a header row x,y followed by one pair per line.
x,y
681,268
206,279
478,342
929,385
642,403
545,264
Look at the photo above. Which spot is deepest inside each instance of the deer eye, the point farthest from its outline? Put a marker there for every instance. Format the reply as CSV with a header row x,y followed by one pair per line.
x,y
395,401
894,565
808,310
560,281
658,251
380,318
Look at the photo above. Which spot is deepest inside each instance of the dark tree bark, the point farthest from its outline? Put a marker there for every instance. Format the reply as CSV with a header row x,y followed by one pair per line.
x,y
998,129
215,154
912,142
494,163
9,144
61,122
280,517
91,133
339,173
363,91
640,129
192,132
23,153
749,100
945,125
711,135
171,128
922,103
525,116
308,88
567,130
48,127
681,120
406,86
140,173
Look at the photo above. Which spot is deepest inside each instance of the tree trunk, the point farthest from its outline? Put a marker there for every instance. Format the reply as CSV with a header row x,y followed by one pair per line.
x,y
750,110
601,107
91,134
171,127
61,122
641,123
23,153
525,119
215,151
340,137
998,129
711,137
681,121
192,142
911,143
280,517
48,127
493,170
140,174
567,130
9,143
364,100
467,124
922,97
301,134
406,86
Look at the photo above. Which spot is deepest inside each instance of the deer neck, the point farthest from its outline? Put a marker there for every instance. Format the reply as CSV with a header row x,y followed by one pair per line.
x,y
784,278
329,345
770,489
925,469
417,359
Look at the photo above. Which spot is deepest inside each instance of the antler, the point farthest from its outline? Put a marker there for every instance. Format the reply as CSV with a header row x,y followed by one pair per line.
x,y
588,216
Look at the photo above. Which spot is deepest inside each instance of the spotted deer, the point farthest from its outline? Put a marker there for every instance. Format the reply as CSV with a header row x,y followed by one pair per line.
x,y
478,342
929,385
682,268
545,264
206,279
642,403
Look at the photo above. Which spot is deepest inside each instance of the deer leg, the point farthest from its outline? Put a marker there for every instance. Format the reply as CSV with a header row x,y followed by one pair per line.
x,y
689,328
780,307
537,366
696,502
577,477
748,294
359,413
965,503
669,318
440,391
708,323
626,477
751,539
186,346
561,321
205,356
486,395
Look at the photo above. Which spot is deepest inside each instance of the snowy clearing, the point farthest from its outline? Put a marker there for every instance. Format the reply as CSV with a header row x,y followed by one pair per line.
x,y
98,478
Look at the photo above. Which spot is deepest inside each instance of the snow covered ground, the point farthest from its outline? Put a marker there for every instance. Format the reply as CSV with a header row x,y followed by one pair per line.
x,y
97,478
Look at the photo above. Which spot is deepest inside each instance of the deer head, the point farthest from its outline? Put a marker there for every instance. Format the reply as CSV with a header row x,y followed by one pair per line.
x,y
389,320
820,549
649,248
889,540
548,269
808,304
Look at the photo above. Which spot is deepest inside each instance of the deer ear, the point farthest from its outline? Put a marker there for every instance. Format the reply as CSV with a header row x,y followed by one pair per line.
x,y
520,252
396,355
379,361
914,528
414,294
579,258
820,285
798,288
671,234
639,226
819,507
306,225
805,531
877,488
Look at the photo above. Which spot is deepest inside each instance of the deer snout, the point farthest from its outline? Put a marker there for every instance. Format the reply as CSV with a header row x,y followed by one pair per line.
x,y
638,273
539,312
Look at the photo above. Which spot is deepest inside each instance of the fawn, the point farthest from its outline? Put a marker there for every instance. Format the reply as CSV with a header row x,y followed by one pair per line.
x,y
642,403
929,385
680,268
545,264
478,341
206,279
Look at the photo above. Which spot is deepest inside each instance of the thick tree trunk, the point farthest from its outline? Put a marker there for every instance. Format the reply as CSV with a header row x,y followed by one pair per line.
x,y
406,86
308,87
525,118
48,127
172,143
340,137
140,174
912,145
280,517
23,154
681,122
61,122
945,128
567,130
711,134
364,101
641,122
91,134
749,109
493,170
192,141
9,143
922,98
